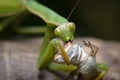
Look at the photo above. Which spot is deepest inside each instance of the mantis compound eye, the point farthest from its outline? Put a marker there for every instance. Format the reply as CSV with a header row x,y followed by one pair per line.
x,y
65,31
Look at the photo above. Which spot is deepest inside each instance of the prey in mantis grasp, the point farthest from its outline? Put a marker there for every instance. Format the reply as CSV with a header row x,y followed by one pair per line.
x,y
56,26
86,62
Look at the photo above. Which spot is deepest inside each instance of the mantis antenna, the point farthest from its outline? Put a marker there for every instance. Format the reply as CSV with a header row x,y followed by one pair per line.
x,y
73,9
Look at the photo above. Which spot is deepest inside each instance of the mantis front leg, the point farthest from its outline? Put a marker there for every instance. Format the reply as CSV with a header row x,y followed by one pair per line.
x,y
65,33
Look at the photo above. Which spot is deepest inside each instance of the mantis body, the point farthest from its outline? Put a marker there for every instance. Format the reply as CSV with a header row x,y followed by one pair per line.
x,y
57,27
74,54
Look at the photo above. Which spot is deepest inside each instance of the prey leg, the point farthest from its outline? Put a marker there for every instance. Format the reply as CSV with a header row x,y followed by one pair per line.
x,y
93,48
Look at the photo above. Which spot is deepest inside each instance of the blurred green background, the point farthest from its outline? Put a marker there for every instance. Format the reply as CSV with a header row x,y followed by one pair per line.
x,y
93,18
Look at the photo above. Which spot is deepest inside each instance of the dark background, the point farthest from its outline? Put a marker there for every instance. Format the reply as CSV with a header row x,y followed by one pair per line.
x,y
95,18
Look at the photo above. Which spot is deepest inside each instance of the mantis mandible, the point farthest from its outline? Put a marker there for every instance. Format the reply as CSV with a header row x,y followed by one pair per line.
x,y
57,27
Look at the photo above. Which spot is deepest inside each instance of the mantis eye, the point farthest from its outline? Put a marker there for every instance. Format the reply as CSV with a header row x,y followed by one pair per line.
x,y
65,31
71,26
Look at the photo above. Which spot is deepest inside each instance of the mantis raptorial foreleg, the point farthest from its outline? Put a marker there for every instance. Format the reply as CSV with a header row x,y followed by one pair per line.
x,y
10,8
65,33
57,44
57,26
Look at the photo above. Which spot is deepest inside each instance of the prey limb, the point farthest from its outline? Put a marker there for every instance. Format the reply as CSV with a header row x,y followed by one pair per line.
x,y
93,48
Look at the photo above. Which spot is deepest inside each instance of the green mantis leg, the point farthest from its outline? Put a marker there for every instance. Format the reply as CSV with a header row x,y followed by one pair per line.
x,y
104,68
101,66
56,43
61,67
49,16
48,50
48,58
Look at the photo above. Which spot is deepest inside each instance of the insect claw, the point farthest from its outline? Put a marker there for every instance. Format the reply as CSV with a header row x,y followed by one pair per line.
x,y
87,44
93,48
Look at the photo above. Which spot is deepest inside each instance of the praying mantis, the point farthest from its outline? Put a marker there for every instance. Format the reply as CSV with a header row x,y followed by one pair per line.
x,y
58,29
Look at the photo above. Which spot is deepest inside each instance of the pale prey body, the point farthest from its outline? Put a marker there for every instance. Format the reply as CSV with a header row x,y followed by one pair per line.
x,y
86,63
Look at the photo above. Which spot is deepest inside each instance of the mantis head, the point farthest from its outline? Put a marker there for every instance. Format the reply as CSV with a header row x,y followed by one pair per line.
x,y
65,31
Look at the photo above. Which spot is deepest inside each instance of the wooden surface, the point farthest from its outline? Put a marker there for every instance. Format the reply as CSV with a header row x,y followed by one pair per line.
x,y
18,58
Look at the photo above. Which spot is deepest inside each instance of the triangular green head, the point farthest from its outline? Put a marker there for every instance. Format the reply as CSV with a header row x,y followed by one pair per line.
x,y
65,31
